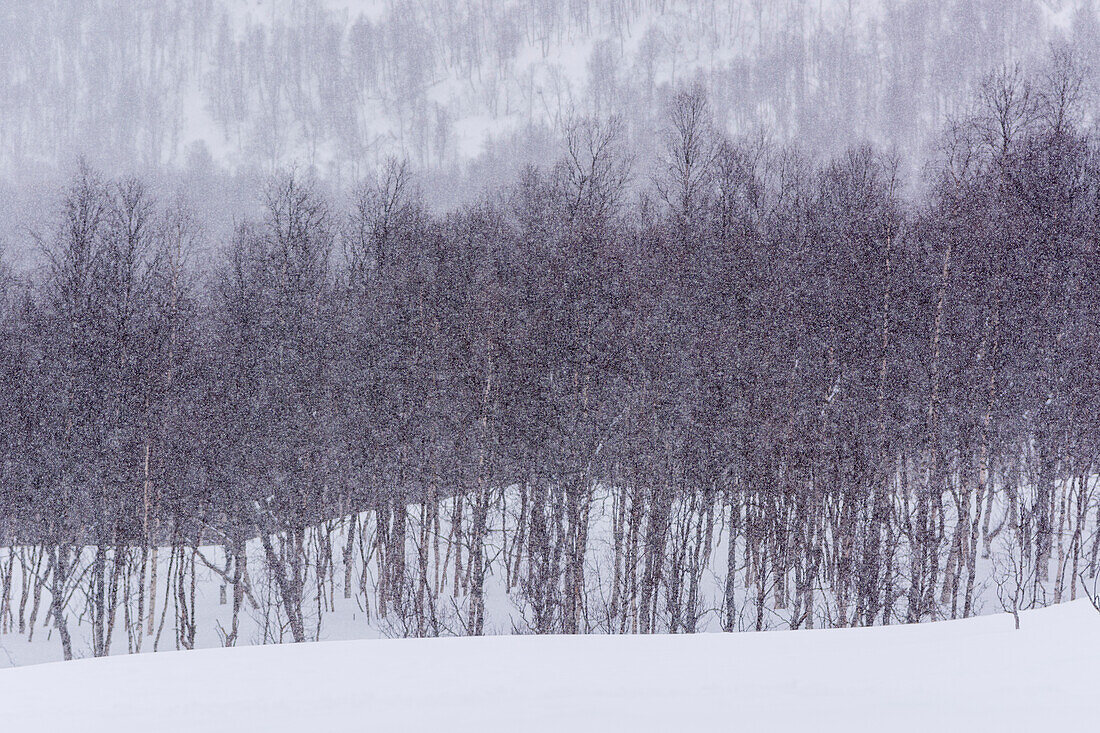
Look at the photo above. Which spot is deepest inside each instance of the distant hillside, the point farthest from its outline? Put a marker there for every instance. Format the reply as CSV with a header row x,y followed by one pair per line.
x,y
340,85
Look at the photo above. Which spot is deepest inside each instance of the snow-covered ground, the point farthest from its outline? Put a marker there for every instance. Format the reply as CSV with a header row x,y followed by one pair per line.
x,y
978,674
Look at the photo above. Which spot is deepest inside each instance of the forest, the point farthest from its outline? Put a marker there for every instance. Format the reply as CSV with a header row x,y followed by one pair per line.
x,y
766,388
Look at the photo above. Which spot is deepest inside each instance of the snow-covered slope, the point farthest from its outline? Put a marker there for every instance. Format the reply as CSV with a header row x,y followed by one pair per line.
x,y
340,84
979,674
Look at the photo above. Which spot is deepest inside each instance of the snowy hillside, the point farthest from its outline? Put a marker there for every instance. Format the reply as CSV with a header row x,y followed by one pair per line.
x,y
341,84
473,365
976,674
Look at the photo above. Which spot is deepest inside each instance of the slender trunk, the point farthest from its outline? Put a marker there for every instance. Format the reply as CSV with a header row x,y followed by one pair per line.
x,y
730,615
59,573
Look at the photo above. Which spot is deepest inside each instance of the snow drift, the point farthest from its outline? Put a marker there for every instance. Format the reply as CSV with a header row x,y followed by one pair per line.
x,y
978,674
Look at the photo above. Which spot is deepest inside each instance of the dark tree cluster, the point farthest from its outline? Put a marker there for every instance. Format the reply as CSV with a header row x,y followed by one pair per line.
x,y
874,405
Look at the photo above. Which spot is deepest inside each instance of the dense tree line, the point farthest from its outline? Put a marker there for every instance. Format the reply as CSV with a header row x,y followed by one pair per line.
x,y
875,405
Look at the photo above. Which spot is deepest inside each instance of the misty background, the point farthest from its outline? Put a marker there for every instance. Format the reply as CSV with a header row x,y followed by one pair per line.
x,y
204,97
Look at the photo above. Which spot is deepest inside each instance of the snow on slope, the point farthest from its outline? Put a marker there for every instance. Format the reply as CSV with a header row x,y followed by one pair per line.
x,y
341,84
978,674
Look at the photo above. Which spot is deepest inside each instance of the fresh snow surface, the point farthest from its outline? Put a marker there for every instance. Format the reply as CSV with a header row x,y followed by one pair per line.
x,y
979,674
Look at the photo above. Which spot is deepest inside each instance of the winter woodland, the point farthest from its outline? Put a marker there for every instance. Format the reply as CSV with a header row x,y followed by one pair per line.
x,y
683,375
